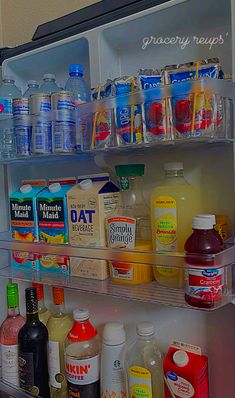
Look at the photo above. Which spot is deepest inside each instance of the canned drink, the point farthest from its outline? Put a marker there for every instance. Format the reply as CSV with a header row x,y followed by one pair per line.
x,y
20,106
42,135
23,134
39,102
62,101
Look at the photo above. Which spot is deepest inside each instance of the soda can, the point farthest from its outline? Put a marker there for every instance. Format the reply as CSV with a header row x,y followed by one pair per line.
x,y
23,135
41,135
20,106
62,101
39,102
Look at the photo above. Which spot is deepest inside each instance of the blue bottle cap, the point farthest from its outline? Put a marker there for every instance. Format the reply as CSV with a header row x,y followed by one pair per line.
x,y
76,69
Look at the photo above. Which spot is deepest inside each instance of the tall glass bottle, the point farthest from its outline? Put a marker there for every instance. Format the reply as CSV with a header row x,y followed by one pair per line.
x,y
33,353
58,325
43,312
9,336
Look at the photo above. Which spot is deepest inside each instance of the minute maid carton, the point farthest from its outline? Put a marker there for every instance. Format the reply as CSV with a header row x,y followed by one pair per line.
x,y
53,222
23,215
90,203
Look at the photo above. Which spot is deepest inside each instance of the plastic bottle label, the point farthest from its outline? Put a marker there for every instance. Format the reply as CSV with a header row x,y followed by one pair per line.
x,y
83,376
205,284
54,364
166,223
10,371
140,383
179,386
5,105
121,234
113,378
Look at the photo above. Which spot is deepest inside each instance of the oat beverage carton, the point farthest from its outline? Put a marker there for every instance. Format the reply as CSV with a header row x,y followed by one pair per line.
x,y
23,213
53,222
90,203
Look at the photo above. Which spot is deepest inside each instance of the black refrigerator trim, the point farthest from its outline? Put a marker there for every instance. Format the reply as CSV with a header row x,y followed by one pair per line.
x,y
80,21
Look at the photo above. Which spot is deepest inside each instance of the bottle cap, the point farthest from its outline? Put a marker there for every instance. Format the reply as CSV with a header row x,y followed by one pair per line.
x,y
145,329
58,295
40,290
33,83
12,295
114,333
209,217
181,358
56,187
173,166
81,314
7,79
202,223
26,188
86,184
129,170
48,76
76,69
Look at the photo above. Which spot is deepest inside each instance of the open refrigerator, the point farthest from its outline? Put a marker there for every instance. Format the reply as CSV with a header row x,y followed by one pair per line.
x,y
106,51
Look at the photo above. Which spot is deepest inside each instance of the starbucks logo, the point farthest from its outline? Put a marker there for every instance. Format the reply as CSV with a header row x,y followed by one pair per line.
x,y
117,364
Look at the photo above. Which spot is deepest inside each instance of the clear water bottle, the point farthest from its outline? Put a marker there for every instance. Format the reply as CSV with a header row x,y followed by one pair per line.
x,y
8,91
49,85
77,85
33,88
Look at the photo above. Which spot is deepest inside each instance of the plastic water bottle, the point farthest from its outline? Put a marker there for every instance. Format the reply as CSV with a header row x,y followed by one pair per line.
x,y
8,91
33,88
49,85
77,85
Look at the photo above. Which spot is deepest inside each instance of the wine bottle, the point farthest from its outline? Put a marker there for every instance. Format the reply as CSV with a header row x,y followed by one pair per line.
x,y
43,312
9,336
33,341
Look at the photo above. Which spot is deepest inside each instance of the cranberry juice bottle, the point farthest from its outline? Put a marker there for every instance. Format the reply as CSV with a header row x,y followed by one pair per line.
x,y
204,286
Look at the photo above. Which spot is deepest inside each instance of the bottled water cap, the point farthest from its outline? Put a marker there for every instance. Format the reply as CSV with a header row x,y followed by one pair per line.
x,y
145,329
76,69
26,188
81,314
86,184
33,83
56,187
6,78
181,358
114,333
48,76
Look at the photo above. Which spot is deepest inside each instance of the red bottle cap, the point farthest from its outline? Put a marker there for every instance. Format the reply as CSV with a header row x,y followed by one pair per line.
x,y
40,289
82,329
58,295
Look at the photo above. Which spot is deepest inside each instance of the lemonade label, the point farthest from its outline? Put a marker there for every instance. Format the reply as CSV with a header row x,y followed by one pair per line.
x,y
140,383
166,223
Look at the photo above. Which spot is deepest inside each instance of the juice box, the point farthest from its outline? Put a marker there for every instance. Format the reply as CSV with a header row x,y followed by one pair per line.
x,y
23,214
90,202
53,222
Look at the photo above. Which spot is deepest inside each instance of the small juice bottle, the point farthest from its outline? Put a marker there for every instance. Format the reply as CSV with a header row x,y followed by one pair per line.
x,y
173,205
204,286
131,229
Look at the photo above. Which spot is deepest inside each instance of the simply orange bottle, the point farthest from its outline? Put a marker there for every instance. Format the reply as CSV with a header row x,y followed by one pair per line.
x,y
131,229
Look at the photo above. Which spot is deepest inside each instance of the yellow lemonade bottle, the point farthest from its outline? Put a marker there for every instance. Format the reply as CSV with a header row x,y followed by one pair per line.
x,y
131,229
173,205
58,325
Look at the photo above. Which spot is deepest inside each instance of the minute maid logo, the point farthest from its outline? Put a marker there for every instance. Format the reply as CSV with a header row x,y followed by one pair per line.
x,y
49,209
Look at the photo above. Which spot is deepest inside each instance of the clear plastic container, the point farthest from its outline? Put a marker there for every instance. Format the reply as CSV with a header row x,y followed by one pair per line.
x,y
143,364
77,85
49,85
131,228
33,88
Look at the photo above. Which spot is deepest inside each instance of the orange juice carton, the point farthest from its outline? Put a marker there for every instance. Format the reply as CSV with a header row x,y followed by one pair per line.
x,y
90,202
185,372
23,214
53,222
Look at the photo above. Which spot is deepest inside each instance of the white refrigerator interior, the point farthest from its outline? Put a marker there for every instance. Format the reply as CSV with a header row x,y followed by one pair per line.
x,y
121,48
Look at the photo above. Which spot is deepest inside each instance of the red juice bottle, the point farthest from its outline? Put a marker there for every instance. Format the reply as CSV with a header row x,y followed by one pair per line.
x,y
204,286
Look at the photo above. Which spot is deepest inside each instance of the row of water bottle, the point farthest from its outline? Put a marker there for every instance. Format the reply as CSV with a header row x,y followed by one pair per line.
x,y
27,128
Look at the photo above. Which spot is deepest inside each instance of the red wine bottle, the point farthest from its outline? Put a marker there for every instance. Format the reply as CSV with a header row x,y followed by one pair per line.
x,y
33,341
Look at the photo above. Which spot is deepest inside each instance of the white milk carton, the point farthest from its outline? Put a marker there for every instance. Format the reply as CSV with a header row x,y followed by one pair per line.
x,y
90,203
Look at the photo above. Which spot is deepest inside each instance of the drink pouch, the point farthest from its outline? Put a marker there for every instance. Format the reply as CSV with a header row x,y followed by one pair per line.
x,y
128,119
194,111
155,115
101,121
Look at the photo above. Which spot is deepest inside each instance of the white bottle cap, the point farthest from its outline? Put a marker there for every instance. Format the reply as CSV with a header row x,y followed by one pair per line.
x,y
48,76
202,223
56,187
181,358
145,329
114,333
173,166
26,188
81,314
209,216
33,82
86,184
